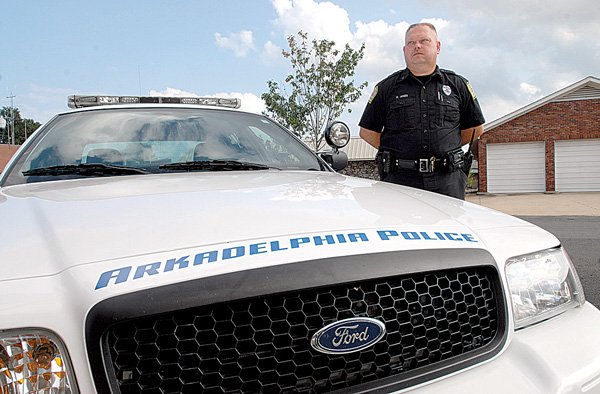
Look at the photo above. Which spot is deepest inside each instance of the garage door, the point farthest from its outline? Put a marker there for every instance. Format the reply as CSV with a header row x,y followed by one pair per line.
x,y
516,168
577,165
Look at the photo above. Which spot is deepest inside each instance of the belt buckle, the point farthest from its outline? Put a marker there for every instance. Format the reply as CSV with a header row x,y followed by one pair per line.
x,y
427,165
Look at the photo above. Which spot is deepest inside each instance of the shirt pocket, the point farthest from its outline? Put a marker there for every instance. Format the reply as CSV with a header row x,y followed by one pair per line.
x,y
402,114
449,108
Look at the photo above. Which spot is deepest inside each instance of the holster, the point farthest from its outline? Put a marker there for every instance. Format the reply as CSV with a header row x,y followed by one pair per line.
x,y
384,163
455,160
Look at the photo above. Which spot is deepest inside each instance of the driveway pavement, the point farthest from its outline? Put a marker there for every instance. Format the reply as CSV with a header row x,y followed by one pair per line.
x,y
541,204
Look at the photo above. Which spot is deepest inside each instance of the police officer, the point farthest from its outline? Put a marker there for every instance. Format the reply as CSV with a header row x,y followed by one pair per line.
x,y
418,119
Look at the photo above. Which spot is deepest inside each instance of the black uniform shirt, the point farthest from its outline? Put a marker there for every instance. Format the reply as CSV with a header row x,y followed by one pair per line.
x,y
421,119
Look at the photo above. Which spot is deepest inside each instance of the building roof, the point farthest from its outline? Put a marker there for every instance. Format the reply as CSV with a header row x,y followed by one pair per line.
x,y
358,149
586,89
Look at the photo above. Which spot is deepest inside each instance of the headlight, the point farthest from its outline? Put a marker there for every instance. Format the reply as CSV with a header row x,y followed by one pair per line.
x,y
34,361
542,285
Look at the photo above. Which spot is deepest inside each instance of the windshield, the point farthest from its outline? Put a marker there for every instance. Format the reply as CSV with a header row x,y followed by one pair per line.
x,y
158,140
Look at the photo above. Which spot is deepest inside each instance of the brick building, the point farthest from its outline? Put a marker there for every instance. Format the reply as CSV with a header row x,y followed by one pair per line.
x,y
550,145
6,152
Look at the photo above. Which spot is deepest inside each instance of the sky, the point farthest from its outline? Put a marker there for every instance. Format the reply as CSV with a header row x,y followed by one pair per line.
x,y
513,52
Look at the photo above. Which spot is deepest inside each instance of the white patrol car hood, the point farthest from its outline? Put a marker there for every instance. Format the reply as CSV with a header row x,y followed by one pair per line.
x,y
62,224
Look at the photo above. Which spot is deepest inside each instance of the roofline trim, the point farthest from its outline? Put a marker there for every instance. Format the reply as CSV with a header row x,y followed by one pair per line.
x,y
536,104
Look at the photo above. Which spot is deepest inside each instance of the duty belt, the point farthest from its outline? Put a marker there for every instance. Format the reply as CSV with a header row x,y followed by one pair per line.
x,y
421,165
451,161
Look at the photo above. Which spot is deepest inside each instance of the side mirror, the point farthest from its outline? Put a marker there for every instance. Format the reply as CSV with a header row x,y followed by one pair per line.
x,y
336,159
337,135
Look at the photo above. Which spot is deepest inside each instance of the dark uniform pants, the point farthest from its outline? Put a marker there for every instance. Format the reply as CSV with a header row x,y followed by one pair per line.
x,y
452,184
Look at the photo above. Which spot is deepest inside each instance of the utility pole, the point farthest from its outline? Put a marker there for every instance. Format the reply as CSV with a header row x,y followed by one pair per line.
x,y
12,119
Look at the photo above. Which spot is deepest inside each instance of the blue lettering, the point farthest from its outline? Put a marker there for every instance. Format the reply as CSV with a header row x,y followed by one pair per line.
x,y
123,274
150,269
210,257
258,248
426,236
410,235
275,246
296,242
232,253
120,275
451,236
320,240
182,262
358,236
386,234
469,238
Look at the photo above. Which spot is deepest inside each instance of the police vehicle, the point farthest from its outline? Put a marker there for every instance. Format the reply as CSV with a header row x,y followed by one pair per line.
x,y
180,245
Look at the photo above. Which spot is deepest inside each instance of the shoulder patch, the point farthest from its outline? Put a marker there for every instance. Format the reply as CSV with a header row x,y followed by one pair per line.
x,y
471,90
373,94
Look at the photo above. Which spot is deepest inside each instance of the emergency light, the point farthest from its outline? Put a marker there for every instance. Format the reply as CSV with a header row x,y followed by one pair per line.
x,y
81,101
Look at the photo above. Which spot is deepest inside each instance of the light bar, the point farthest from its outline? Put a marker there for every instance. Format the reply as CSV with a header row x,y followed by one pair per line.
x,y
80,101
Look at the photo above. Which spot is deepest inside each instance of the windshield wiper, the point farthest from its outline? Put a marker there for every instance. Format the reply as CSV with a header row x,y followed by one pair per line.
x,y
214,165
96,169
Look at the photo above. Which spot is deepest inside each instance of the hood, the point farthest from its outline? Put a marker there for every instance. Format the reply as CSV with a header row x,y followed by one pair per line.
x,y
49,227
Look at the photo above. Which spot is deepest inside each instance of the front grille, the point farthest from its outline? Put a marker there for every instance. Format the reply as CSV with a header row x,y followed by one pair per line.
x,y
263,344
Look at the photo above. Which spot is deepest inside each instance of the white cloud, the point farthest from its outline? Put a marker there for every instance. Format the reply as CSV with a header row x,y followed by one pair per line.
x,y
566,35
383,47
271,53
498,106
172,92
530,90
250,101
321,20
240,43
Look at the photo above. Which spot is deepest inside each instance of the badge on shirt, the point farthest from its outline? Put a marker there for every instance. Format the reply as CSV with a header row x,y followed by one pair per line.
x,y
375,90
446,89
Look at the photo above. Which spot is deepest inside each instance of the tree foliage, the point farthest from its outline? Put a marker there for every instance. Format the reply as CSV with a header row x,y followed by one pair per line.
x,y
23,127
319,87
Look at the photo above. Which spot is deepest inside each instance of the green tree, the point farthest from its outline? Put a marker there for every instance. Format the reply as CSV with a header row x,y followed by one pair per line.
x,y
320,87
23,127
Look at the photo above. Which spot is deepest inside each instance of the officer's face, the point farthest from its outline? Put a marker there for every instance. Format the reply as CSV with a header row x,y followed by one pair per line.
x,y
421,49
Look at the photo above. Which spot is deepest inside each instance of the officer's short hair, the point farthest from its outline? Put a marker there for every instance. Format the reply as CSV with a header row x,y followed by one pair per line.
x,y
429,25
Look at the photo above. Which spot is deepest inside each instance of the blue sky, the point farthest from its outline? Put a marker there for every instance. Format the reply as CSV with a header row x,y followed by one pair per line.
x,y
513,51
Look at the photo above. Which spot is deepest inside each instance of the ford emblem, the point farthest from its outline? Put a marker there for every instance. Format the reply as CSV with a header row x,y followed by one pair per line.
x,y
348,335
